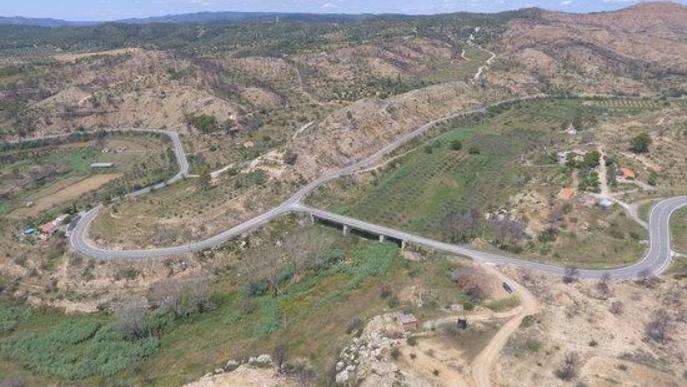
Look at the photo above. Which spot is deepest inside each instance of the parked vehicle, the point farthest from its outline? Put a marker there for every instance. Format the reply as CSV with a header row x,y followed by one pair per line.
x,y
507,288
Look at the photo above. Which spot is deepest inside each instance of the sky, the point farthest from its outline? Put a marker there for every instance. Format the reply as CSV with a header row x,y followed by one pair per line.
x,y
104,10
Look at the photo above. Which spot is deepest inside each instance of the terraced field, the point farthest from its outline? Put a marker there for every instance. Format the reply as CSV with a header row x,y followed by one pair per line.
x,y
632,104
510,153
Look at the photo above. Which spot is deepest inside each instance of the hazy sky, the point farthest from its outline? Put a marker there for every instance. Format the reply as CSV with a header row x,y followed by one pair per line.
x,y
118,9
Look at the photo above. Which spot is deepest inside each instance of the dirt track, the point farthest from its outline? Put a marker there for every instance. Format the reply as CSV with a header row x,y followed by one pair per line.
x,y
483,364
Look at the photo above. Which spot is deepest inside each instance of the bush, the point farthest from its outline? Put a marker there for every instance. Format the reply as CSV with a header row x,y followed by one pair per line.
x,y
395,353
456,145
569,369
355,325
204,123
640,143
411,340
474,150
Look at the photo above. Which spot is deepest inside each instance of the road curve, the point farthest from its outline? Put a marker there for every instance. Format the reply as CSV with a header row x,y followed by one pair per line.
x,y
656,259
179,154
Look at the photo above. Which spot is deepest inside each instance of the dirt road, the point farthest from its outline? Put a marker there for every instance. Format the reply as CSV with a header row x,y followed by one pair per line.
x,y
484,363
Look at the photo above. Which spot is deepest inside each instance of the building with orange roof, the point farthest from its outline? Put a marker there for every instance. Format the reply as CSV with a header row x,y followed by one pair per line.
x,y
627,173
566,193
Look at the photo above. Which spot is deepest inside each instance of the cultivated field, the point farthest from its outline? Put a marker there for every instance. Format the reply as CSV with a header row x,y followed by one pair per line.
x,y
506,167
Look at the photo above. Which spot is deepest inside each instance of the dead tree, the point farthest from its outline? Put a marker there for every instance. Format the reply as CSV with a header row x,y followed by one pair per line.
x,y
569,368
658,328
603,286
570,275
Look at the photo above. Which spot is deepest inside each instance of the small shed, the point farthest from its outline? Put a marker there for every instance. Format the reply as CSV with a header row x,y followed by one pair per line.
x,y
49,228
408,322
100,165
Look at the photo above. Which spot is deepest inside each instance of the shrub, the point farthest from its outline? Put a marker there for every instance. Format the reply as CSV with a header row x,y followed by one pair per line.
x,y
412,341
203,122
569,368
355,325
640,143
474,150
456,145
395,353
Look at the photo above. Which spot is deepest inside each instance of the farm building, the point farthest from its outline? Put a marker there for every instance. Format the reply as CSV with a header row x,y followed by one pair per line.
x,y
566,193
627,173
408,322
49,228
102,165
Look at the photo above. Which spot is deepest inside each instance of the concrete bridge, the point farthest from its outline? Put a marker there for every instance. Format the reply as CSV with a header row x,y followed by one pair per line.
x,y
353,226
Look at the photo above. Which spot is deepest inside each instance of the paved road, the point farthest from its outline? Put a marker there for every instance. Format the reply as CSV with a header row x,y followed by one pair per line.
x,y
656,260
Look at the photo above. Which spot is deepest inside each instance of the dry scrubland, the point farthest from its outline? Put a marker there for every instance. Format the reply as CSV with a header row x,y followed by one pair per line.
x,y
625,333
350,88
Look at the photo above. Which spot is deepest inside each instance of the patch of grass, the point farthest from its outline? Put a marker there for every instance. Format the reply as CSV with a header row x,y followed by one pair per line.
x,y
503,304
10,316
523,345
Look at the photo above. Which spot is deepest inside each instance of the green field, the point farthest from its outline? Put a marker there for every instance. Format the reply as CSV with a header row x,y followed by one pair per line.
x,y
515,146
29,174
308,311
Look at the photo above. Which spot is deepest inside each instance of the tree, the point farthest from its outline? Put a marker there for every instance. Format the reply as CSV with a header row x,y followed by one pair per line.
x,y
617,307
279,356
603,286
130,320
571,274
591,160
658,328
568,369
205,178
640,143
461,227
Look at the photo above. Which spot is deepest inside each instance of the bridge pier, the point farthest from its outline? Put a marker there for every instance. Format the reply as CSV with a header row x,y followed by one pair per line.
x,y
381,238
312,219
403,245
346,230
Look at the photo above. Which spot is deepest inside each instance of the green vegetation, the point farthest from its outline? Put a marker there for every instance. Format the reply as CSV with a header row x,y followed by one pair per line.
x,y
208,124
39,169
640,143
456,195
426,185
68,347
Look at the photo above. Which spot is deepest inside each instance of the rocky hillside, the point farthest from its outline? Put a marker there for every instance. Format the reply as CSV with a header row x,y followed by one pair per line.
x,y
630,50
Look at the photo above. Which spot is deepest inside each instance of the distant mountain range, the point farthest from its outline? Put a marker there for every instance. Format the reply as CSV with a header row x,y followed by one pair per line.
x,y
43,22
200,17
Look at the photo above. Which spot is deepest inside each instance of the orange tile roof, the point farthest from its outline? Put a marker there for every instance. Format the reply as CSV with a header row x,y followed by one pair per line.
x,y
627,173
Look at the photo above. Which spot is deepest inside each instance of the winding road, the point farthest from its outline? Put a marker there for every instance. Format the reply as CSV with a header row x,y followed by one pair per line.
x,y
656,259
